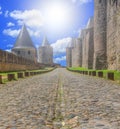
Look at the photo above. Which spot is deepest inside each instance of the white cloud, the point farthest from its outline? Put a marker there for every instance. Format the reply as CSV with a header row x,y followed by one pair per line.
x,y
9,24
59,46
6,13
35,33
14,33
8,50
10,32
59,59
32,18
9,45
0,10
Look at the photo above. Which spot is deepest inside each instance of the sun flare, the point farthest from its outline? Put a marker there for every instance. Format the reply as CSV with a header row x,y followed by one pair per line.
x,y
57,15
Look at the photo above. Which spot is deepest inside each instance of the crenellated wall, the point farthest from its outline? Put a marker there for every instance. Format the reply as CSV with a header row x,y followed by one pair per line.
x,y
11,62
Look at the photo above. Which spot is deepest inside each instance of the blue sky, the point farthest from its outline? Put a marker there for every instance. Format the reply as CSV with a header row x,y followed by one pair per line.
x,y
59,20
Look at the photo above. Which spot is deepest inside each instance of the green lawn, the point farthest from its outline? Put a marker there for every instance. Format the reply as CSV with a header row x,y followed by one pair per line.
x,y
105,72
4,74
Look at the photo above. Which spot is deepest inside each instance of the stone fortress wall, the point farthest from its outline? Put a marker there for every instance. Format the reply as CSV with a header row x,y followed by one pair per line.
x,y
24,54
100,39
11,62
113,34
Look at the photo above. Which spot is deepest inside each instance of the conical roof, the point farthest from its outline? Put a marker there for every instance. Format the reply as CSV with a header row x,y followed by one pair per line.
x,y
90,23
45,42
23,39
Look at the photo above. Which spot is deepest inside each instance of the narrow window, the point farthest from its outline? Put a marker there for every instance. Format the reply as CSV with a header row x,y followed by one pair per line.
x,y
18,52
29,52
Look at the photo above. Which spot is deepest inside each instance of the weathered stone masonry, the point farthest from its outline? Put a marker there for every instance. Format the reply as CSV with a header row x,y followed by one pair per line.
x,y
81,51
101,49
100,57
77,53
113,34
24,55
45,53
11,62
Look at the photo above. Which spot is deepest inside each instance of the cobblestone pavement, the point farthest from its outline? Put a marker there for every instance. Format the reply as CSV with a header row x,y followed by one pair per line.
x,y
60,100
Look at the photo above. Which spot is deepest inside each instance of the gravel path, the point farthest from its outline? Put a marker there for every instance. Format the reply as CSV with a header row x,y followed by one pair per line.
x,y
60,100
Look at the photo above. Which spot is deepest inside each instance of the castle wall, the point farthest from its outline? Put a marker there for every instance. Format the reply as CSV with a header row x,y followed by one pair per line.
x,y
11,62
88,48
103,40
100,24
28,53
77,53
69,56
113,34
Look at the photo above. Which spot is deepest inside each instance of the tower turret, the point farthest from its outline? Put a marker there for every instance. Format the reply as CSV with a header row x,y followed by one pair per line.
x,y
113,34
77,53
69,53
24,46
100,20
45,52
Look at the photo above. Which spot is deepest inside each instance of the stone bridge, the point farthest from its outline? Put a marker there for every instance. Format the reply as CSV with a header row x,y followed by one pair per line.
x,y
60,100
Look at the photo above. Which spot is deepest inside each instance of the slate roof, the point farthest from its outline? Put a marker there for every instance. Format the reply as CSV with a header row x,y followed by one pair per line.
x,y
45,42
24,39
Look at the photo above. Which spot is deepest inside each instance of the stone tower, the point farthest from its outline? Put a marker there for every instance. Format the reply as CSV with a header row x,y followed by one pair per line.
x,y
24,46
100,29
45,52
113,34
87,36
69,53
77,53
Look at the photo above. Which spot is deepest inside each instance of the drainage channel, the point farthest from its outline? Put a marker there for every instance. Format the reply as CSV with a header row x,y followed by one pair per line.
x,y
57,113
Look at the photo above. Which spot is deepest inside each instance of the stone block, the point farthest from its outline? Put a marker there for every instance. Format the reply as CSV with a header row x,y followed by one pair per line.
x,y
100,74
27,74
110,75
93,73
90,73
35,73
31,73
11,77
20,75
0,79
86,72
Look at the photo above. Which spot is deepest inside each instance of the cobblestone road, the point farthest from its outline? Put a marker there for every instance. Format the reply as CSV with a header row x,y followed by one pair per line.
x,y
60,100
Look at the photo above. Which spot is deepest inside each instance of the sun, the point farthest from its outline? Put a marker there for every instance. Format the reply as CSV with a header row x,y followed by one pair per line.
x,y
56,15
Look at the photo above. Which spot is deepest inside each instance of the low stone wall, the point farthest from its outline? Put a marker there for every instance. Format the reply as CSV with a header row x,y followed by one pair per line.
x,y
18,75
11,62
110,75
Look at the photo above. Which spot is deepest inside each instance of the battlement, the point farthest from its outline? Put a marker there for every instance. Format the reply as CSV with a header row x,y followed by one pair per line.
x,y
11,62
